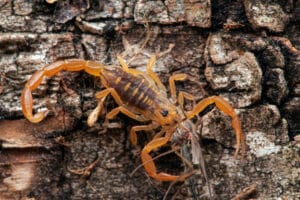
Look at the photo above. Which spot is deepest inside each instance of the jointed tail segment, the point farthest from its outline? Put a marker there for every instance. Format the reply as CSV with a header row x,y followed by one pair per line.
x,y
163,116
90,67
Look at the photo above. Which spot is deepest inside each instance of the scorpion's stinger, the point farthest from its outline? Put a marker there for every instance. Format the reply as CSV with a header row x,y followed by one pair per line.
x,y
26,102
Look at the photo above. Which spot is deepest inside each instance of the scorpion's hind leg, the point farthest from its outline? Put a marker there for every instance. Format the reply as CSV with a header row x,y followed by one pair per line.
x,y
101,96
133,130
227,109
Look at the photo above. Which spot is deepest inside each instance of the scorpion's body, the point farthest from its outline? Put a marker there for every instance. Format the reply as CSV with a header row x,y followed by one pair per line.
x,y
140,96
139,93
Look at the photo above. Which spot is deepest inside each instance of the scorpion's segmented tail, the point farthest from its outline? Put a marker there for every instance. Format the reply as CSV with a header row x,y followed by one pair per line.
x,y
90,67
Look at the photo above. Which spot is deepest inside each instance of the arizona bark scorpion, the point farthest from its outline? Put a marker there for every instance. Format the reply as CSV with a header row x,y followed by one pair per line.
x,y
139,95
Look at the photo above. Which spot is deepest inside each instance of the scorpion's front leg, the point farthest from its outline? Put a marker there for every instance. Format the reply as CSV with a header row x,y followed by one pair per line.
x,y
181,95
90,67
133,130
227,109
148,160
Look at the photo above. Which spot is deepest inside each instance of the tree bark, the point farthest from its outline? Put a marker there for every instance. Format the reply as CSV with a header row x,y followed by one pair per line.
x,y
245,51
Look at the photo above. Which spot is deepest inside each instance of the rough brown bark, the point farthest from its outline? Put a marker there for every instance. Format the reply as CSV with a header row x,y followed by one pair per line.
x,y
240,50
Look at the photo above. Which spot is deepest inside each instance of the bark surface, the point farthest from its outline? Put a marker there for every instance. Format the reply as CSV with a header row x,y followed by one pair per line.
x,y
245,51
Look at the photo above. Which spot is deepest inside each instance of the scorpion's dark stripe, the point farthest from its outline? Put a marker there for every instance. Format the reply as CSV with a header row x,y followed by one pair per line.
x,y
128,94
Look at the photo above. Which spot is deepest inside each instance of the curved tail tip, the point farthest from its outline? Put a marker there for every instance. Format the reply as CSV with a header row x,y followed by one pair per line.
x,y
38,117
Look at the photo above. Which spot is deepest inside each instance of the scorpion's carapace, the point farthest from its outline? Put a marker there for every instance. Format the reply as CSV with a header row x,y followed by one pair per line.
x,y
140,96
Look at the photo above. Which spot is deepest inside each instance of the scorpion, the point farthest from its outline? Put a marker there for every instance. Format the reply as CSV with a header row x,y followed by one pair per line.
x,y
140,96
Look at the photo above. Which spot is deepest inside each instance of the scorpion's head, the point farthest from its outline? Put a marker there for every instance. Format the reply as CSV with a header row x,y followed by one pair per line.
x,y
167,115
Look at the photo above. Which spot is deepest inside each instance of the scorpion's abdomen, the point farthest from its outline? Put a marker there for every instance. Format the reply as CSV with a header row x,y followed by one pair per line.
x,y
134,90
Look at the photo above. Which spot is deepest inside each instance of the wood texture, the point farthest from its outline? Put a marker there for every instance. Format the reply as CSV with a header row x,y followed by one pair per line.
x,y
245,51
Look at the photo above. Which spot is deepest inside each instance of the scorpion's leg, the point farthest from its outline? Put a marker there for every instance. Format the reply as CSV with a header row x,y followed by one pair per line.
x,y
152,74
114,112
181,94
49,71
172,79
148,160
227,109
93,116
287,43
126,68
184,95
133,130
101,96
149,70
